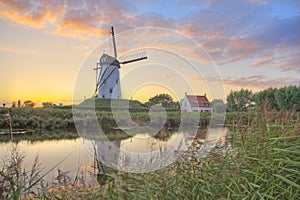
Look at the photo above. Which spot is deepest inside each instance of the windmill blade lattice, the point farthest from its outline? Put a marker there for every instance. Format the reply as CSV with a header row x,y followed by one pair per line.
x,y
134,57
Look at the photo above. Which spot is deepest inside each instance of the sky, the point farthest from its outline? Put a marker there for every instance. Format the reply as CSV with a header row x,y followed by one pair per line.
x,y
46,46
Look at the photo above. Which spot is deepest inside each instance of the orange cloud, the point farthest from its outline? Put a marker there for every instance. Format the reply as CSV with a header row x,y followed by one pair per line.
x,y
25,12
17,51
79,29
228,34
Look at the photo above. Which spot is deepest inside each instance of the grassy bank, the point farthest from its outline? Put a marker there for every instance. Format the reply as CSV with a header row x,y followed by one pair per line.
x,y
263,162
55,119
61,120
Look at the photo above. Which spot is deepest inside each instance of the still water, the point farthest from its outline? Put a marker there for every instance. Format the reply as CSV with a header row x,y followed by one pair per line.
x,y
69,156
76,156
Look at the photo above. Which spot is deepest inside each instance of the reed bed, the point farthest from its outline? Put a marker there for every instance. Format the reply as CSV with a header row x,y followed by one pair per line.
x,y
261,161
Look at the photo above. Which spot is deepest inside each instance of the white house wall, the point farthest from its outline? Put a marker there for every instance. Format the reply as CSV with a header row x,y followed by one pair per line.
x,y
201,109
185,105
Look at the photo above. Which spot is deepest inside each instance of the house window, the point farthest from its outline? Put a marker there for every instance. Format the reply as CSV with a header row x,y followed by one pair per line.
x,y
110,90
195,103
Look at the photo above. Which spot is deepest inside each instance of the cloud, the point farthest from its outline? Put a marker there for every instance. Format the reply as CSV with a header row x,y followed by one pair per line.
x,y
255,81
231,31
17,51
34,14
260,81
241,48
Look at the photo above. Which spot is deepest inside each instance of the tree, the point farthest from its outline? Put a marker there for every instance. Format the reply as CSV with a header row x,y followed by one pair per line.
x,y
240,100
288,97
266,96
218,105
28,104
47,104
164,100
13,105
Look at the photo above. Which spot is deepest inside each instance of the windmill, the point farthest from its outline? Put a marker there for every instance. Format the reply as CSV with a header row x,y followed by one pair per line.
x,y
108,84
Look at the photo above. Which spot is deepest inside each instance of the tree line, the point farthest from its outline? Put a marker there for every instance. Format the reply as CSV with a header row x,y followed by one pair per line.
x,y
285,98
164,100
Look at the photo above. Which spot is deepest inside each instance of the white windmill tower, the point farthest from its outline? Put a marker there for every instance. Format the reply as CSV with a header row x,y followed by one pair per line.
x,y
108,84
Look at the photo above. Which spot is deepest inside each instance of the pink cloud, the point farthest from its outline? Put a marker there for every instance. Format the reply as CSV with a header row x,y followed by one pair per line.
x,y
240,48
260,81
228,30
262,61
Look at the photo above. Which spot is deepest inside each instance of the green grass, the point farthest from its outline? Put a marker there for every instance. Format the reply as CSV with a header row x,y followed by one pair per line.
x,y
105,104
263,162
54,119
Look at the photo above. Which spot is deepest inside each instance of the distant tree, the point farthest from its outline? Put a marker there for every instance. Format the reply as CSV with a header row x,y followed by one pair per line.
x,y
218,105
28,104
285,98
232,101
288,97
266,96
14,104
240,100
164,100
47,104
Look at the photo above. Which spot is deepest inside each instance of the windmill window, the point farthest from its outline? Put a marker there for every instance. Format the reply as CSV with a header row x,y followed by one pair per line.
x,y
103,96
110,90
104,82
117,81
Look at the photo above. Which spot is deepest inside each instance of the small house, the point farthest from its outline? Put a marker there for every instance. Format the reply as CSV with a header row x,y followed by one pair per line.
x,y
192,103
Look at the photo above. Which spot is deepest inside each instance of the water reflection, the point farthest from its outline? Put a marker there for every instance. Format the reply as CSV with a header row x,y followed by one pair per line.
x,y
70,152
139,153
143,153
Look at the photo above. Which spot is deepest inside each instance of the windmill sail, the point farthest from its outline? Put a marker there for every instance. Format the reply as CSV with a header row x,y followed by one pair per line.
x,y
134,57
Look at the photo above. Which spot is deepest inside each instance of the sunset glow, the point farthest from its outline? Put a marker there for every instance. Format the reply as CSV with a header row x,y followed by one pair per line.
x,y
255,44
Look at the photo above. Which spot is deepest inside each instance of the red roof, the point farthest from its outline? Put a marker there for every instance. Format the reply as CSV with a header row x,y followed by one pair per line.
x,y
198,101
